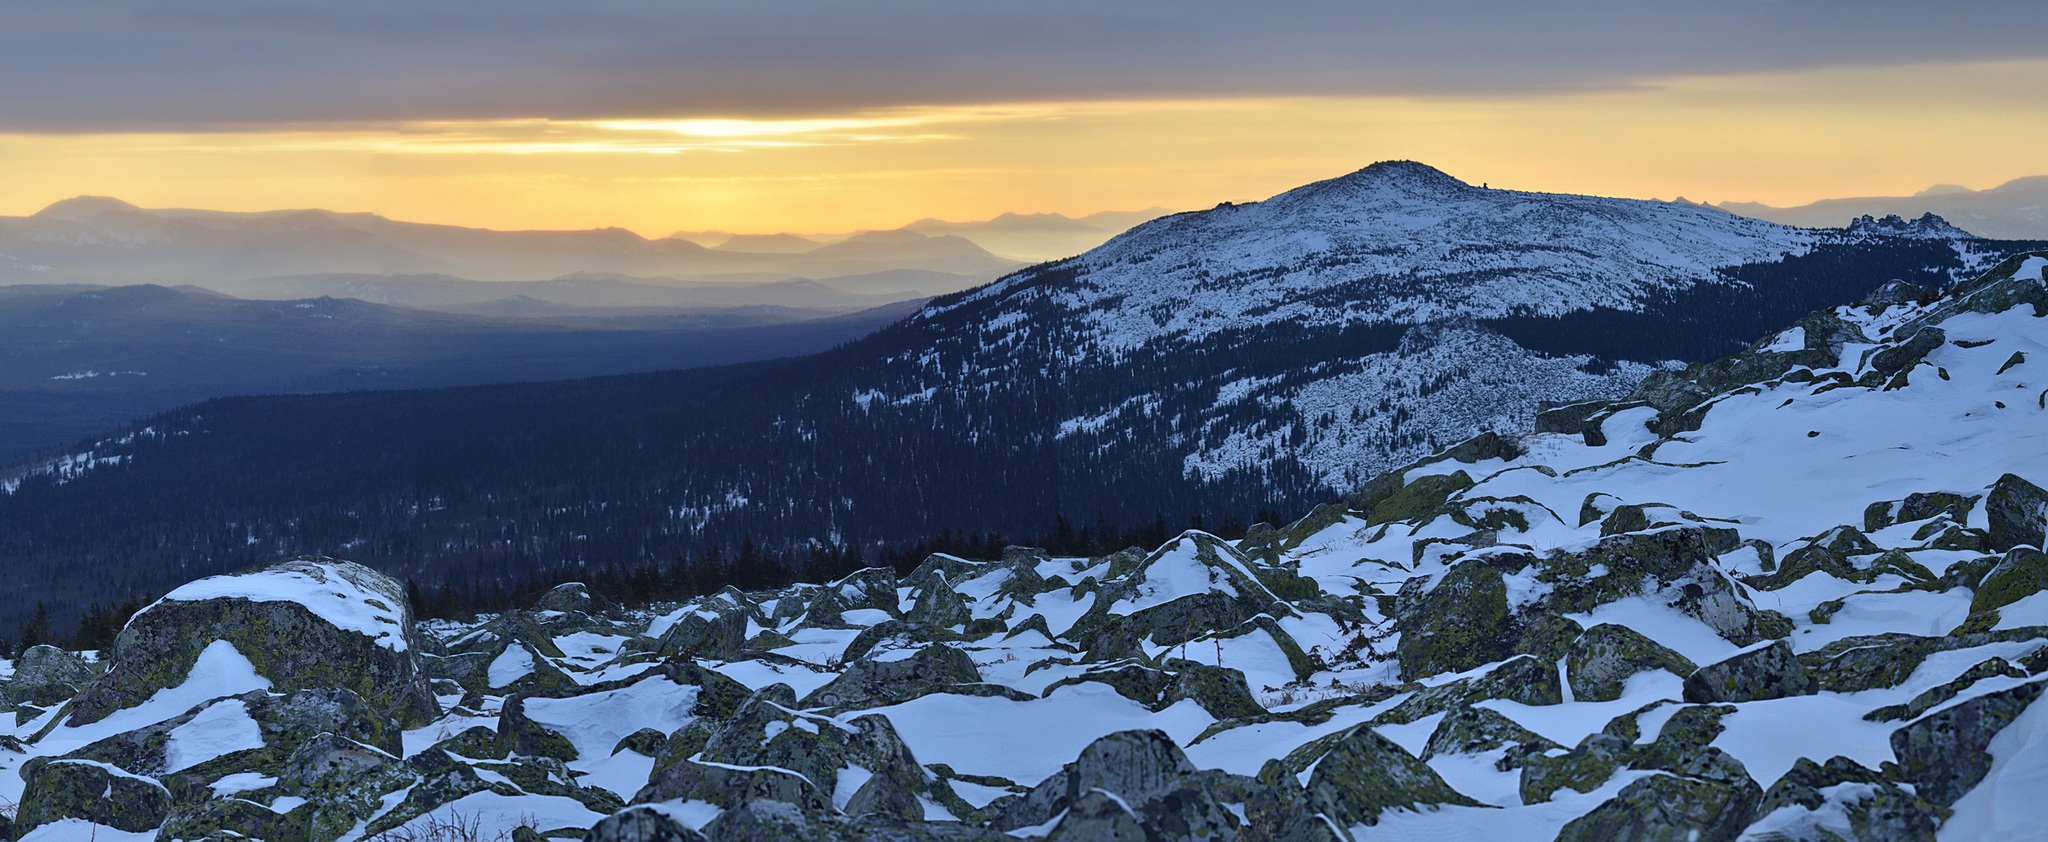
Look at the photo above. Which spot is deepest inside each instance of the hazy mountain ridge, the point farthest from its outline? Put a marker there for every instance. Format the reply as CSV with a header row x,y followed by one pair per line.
x,y
102,240
2015,210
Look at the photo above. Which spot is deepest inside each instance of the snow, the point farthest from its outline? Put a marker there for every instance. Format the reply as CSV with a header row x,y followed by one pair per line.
x,y
2007,803
1027,741
220,670
219,729
511,665
321,588
595,722
79,830
2030,610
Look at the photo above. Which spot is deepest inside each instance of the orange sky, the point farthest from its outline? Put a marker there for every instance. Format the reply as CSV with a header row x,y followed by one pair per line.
x,y
1782,138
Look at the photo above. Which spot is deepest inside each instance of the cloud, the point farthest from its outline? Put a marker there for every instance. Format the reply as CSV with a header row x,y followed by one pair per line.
x,y
219,64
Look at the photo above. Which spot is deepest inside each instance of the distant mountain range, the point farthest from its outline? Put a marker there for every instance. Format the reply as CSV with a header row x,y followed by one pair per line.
x,y
2015,210
1025,236
100,240
1256,356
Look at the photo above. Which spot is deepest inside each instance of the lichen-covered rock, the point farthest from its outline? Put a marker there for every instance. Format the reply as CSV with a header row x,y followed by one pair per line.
x,y
1521,678
518,734
1419,499
1471,729
1365,774
2022,573
1461,623
1602,660
1936,695
2016,514
937,604
566,597
869,683
1582,769
1098,816
1137,766
1548,636
1807,801
1668,807
1767,672
227,818
97,792
1943,753
641,824
768,750
705,634
47,676
301,623
1632,564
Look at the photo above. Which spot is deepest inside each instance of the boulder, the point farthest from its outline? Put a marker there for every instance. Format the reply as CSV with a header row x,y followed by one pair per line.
x,y
1601,661
46,676
300,623
1877,810
96,792
1767,672
705,634
2016,514
567,597
869,683
641,824
1943,753
1473,730
1366,774
1584,768
1668,807
1136,766
1461,623
1098,816
2022,573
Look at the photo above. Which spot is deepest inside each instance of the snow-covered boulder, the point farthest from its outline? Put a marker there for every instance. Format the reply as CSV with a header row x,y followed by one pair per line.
x,y
299,623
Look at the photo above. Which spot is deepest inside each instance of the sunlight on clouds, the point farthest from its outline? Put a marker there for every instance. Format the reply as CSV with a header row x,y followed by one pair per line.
x,y
1778,138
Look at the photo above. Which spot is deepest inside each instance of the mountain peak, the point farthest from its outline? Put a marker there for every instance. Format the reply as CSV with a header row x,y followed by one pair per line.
x,y
80,207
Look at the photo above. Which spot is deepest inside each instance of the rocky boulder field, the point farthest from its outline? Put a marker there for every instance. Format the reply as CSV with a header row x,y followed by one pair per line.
x,y
1795,594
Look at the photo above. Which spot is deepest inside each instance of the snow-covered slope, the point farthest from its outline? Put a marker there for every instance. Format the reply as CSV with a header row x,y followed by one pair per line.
x,y
1797,593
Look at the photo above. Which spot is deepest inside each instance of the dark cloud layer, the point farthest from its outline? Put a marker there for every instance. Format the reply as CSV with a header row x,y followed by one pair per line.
x,y
79,65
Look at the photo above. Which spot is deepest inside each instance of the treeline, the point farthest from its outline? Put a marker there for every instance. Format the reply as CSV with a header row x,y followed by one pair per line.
x,y
751,568
97,627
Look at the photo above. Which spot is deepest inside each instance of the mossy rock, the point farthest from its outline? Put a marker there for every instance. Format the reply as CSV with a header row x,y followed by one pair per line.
x,y
2022,573
937,604
1944,754
285,641
641,824
1365,774
220,817
1318,519
705,634
1602,660
1470,729
869,683
1934,696
46,676
1586,767
1522,678
1631,564
1221,691
1875,808
1669,807
1461,623
1769,672
2016,514
79,789
1420,499
1548,636
520,735
1683,740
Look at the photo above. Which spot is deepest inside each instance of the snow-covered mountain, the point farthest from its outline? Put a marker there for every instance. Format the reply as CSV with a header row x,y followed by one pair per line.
x,y
1794,594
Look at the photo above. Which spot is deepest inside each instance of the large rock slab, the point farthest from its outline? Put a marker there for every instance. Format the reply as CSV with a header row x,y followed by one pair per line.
x,y
2017,514
1768,672
301,623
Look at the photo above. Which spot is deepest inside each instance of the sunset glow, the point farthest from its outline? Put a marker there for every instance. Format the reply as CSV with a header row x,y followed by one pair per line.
x,y
1784,138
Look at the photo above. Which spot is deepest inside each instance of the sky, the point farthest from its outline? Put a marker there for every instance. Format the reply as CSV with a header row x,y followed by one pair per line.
x,y
832,115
